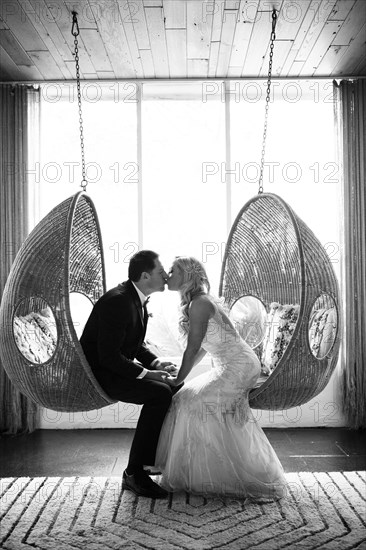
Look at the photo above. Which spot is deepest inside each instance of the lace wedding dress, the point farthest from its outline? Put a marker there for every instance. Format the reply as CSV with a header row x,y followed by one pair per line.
x,y
210,442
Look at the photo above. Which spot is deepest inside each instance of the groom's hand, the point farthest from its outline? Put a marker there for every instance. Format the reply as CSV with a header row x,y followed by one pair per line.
x,y
158,375
171,380
169,367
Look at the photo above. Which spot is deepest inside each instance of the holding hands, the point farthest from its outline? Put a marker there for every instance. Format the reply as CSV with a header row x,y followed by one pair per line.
x,y
171,371
158,375
165,371
169,367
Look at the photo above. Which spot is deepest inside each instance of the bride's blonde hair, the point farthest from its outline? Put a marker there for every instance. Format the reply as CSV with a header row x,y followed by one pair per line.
x,y
195,282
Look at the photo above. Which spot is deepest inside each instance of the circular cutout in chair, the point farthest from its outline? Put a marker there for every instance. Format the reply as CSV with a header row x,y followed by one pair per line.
x,y
249,317
35,330
323,324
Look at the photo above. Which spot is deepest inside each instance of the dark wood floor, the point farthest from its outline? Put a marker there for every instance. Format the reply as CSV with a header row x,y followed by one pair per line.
x,y
105,452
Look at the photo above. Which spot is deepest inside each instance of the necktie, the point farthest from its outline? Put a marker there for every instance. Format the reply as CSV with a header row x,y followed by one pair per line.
x,y
145,309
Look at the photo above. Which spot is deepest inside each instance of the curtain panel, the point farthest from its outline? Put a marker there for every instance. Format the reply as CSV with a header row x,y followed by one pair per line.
x,y
350,112
19,111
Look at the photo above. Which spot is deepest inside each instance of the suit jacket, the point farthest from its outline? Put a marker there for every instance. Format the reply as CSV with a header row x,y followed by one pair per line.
x,y
114,335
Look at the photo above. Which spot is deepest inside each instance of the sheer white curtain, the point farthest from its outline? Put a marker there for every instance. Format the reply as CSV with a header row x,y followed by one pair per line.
x,y
19,111
351,124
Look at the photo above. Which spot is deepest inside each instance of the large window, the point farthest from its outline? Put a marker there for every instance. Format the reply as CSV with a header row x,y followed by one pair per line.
x,y
300,161
171,164
110,138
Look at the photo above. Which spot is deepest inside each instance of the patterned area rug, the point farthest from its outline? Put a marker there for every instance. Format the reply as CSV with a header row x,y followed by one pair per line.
x,y
321,510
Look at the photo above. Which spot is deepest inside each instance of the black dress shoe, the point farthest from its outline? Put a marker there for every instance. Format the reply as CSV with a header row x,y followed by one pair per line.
x,y
140,484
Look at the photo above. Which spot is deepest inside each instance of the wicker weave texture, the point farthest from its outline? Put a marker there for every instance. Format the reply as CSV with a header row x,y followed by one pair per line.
x,y
272,254
62,254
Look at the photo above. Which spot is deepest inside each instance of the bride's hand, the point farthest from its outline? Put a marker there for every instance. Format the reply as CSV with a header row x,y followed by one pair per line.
x,y
169,367
171,380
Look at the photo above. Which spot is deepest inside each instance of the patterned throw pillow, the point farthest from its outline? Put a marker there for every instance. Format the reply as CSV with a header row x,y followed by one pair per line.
x,y
281,322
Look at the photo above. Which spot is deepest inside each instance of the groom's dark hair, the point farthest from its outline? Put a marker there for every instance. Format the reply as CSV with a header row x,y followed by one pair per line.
x,y
140,262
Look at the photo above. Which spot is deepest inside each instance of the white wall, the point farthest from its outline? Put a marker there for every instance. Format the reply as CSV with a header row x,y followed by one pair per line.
x,y
322,411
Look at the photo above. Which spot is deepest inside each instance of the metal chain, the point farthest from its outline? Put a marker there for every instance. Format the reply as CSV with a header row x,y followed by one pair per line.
x,y
75,32
273,38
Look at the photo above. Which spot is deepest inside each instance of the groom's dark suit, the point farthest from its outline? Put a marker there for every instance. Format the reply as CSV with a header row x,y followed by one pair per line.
x,y
113,336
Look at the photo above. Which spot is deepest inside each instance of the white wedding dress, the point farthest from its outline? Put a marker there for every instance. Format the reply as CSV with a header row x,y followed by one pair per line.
x,y
210,442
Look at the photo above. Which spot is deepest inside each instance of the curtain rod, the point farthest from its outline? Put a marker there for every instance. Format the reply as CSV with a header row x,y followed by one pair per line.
x,y
182,80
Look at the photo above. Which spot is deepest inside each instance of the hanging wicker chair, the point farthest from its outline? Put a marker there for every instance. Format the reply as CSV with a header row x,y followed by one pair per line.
x,y
39,348
273,256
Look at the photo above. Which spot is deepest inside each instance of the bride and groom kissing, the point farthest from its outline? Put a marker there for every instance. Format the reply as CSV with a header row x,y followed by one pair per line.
x,y
201,435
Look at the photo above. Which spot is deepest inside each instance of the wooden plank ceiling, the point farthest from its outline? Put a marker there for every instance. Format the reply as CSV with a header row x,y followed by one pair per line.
x,y
129,39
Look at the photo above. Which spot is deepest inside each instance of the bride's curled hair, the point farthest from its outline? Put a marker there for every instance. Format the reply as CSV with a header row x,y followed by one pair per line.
x,y
194,283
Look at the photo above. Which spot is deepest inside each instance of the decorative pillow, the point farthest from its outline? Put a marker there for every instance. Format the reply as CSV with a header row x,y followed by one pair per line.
x,y
36,336
281,322
322,331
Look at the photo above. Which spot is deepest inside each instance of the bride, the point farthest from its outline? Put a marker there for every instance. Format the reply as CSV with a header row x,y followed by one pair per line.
x,y
210,442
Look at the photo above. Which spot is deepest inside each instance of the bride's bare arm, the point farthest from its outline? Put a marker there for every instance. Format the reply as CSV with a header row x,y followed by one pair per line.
x,y
200,312
200,355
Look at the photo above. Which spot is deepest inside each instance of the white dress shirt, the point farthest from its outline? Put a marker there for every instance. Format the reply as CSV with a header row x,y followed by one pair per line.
x,y
143,299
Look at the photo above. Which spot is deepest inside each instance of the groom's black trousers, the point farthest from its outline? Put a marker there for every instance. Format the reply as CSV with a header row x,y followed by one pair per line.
x,y
156,398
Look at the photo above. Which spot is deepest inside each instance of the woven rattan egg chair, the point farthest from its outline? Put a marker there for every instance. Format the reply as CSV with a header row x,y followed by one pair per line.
x,y
39,347
272,255
63,254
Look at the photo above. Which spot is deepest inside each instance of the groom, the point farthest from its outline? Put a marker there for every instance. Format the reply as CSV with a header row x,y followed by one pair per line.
x,y
112,338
